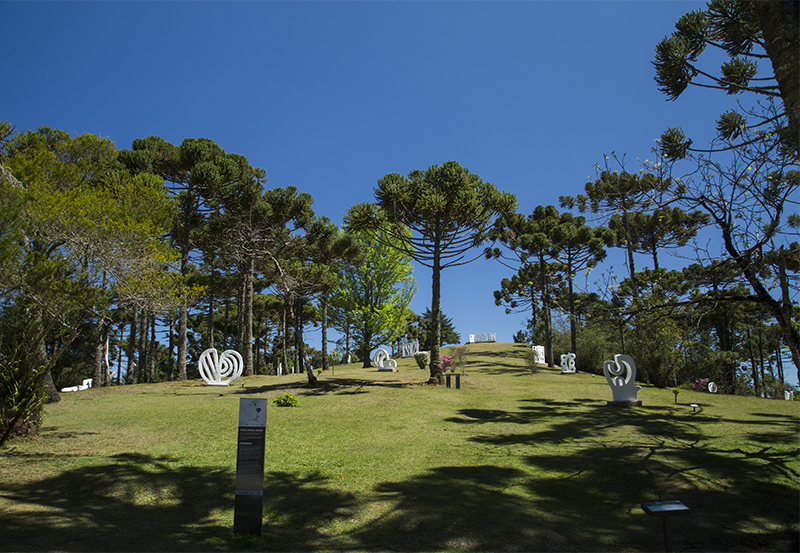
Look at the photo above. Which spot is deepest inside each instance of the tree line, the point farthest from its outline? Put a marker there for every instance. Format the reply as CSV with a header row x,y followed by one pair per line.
x,y
101,247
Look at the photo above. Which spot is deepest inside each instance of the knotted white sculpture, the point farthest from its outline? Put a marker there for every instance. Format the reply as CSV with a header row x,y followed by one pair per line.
x,y
383,361
621,376
568,363
220,370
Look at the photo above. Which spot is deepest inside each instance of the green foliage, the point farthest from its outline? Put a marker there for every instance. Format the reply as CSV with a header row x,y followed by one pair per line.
x,y
459,355
531,361
22,393
371,301
448,211
422,359
286,400
448,331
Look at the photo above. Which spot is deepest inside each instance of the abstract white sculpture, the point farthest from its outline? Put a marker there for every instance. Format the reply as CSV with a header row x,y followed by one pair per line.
x,y
486,337
568,363
410,348
383,361
712,387
85,386
538,352
220,370
621,376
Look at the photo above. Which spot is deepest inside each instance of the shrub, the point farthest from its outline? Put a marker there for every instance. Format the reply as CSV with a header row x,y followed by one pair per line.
x,y
422,359
22,394
460,357
531,361
286,400
447,362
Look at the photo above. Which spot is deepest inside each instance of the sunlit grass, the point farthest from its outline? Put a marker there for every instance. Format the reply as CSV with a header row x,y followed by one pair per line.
x,y
377,460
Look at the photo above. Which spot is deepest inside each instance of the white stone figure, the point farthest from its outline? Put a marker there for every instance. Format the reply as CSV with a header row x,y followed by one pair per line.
x,y
383,361
487,337
788,395
621,376
280,369
538,351
85,386
568,363
220,370
409,349
712,387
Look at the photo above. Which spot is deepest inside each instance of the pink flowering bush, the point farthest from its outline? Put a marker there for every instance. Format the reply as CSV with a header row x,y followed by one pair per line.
x,y
447,362
700,384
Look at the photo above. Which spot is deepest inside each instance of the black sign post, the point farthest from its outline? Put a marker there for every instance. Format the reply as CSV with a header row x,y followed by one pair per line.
x,y
249,497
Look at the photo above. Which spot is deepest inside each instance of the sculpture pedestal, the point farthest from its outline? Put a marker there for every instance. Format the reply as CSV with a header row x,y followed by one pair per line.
x,y
625,403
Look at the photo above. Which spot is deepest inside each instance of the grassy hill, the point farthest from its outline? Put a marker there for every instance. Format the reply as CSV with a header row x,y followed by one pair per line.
x,y
377,461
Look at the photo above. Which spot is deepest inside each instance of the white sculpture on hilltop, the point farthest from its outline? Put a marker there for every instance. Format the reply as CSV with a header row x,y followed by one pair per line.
x,y
383,361
621,376
220,370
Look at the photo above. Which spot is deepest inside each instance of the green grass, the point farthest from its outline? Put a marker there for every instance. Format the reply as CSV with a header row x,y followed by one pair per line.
x,y
377,461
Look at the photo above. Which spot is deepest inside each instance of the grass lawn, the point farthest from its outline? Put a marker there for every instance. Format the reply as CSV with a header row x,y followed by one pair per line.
x,y
376,461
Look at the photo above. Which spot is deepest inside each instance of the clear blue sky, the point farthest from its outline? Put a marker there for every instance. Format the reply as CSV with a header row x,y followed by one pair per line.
x,y
331,96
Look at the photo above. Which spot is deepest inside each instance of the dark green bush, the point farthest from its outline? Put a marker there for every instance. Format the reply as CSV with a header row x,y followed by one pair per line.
x,y
22,394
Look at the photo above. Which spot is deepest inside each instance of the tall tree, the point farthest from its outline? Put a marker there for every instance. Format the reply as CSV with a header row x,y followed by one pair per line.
x,y
82,240
374,292
747,180
329,250
448,332
746,31
197,170
534,256
449,211
579,247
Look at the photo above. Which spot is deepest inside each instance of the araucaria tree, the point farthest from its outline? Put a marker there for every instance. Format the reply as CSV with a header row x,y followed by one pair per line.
x,y
198,171
747,180
449,212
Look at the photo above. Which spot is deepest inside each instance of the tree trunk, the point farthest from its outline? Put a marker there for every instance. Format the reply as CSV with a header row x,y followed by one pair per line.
x,y
130,375
246,343
779,29
436,373
324,309
97,376
548,321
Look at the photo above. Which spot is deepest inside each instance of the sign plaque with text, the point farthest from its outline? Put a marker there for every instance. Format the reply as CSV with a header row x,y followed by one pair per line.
x,y
249,497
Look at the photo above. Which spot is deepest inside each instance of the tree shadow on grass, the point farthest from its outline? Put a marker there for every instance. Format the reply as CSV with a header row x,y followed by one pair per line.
x,y
132,502
333,385
143,503
602,462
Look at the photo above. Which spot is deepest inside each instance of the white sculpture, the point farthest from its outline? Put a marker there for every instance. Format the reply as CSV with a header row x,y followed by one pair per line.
x,y
788,395
621,376
85,386
538,352
486,337
568,363
220,370
712,387
409,349
383,361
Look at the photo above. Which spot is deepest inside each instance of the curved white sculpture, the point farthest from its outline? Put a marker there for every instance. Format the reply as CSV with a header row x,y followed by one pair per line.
x,y
621,376
220,370
382,359
712,387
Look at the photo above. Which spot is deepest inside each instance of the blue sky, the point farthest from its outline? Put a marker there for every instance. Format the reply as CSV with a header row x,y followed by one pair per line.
x,y
331,96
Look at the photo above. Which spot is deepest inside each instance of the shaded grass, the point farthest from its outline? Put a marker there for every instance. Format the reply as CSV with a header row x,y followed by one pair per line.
x,y
378,461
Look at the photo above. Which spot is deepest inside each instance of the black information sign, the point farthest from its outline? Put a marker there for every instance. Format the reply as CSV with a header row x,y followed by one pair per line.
x,y
249,498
